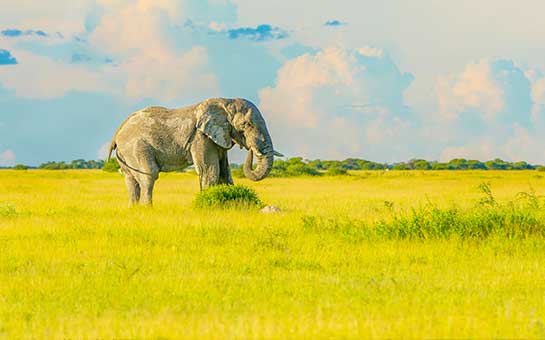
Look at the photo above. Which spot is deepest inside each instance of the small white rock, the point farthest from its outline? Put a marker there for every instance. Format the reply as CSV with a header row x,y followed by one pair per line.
x,y
270,209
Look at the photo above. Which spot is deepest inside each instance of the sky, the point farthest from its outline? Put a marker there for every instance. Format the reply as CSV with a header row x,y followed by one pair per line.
x,y
387,80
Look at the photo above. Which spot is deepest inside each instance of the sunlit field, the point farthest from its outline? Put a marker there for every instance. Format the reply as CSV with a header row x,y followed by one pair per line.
x,y
398,254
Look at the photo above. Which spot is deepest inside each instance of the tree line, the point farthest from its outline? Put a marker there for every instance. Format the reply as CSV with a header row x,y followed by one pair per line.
x,y
298,166
75,164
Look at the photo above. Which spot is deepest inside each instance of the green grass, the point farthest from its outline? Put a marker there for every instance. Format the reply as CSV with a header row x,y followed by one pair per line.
x,y
372,255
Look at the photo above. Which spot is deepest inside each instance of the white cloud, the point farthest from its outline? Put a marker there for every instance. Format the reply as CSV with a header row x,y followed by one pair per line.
x,y
494,89
483,149
141,36
42,77
474,88
7,158
66,17
338,103
135,27
522,145
538,96
492,109
525,145
170,77
370,51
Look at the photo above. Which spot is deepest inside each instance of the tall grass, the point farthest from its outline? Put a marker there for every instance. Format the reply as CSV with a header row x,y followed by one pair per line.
x,y
520,218
373,255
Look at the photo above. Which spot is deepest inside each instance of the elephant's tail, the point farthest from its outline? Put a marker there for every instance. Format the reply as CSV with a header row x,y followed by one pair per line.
x,y
113,146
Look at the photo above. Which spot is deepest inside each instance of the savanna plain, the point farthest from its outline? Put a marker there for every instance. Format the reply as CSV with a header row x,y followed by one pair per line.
x,y
377,254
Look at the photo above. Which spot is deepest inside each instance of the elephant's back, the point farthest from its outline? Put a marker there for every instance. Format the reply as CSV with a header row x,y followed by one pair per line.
x,y
164,131
146,122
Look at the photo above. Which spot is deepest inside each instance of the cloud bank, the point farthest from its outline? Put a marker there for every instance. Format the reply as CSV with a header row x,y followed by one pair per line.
x,y
339,103
493,108
327,89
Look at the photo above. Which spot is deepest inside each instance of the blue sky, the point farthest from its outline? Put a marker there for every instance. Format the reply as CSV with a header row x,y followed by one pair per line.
x,y
386,81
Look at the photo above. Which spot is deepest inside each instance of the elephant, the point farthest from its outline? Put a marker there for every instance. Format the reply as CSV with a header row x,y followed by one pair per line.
x,y
157,139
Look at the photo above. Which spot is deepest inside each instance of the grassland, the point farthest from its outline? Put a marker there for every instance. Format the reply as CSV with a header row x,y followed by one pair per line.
x,y
76,263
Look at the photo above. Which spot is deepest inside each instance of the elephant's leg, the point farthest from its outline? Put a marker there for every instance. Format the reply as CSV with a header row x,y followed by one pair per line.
x,y
134,189
209,172
225,170
149,172
146,185
206,160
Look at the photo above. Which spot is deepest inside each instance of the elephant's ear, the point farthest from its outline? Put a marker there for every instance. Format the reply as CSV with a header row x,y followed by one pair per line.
x,y
212,121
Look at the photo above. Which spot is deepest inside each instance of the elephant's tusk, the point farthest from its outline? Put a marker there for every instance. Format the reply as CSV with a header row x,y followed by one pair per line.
x,y
277,154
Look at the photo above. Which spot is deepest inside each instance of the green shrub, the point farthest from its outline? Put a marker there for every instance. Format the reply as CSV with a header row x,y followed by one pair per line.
x,y
54,166
541,168
20,167
228,196
7,210
400,166
336,171
111,166
293,167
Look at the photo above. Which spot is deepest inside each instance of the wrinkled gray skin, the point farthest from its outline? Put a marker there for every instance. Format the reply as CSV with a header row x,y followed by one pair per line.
x,y
157,139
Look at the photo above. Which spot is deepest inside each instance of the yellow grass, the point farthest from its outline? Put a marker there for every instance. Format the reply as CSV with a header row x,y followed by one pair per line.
x,y
76,263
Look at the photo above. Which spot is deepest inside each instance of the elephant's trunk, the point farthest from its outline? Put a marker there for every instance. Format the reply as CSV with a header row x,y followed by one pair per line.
x,y
264,166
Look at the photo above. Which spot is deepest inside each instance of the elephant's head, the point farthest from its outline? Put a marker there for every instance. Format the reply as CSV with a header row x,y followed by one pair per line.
x,y
238,120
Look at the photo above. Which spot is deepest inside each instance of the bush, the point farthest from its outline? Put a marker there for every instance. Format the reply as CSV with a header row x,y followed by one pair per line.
x,y
111,166
20,167
541,168
228,196
336,171
54,166
400,166
293,167
7,210
75,164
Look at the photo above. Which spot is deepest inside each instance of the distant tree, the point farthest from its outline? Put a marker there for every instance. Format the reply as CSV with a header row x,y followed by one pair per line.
x,y
54,166
110,166
439,166
420,164
317,164
401,166
20,167
351,164
78,164
336,171
497,164
523,166
292,167
457,164
475,165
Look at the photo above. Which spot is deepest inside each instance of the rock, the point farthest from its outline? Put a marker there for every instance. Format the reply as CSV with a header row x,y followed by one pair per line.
x,y
270,209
